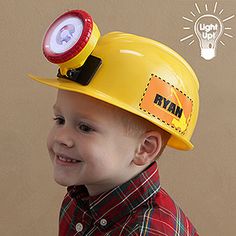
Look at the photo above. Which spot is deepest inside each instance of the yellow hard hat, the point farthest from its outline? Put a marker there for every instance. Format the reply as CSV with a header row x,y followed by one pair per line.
x,y
141,76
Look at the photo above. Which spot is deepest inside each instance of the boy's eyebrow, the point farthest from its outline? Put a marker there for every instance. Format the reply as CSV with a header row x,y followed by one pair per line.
x,y
56,108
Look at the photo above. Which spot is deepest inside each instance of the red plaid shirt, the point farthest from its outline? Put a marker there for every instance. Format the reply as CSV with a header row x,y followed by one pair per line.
x,y
137,207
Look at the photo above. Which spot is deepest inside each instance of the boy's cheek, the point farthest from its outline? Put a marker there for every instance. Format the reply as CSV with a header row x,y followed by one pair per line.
x,y
50,142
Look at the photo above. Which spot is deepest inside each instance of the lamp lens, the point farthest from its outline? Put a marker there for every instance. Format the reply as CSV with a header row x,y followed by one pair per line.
x,y
64,35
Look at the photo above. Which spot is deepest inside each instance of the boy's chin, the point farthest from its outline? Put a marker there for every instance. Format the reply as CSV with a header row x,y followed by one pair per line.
x,y
63,182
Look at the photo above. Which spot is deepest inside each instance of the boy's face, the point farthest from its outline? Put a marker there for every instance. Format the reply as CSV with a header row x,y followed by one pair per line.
x,y
88,144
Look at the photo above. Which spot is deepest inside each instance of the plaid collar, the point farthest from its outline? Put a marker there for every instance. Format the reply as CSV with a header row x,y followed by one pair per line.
x,y
120,201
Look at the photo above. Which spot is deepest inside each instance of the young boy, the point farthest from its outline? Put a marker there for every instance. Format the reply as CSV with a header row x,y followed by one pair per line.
x,y
116,110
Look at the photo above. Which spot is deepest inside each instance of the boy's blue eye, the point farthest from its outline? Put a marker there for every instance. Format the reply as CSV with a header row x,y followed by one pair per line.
x,y
59,120
82,126
85,128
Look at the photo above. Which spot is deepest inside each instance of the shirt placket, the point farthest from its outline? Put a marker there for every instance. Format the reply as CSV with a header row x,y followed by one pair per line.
x,y
83,221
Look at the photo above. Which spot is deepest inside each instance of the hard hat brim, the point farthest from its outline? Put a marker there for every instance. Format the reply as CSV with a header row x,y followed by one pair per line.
x,y
64,84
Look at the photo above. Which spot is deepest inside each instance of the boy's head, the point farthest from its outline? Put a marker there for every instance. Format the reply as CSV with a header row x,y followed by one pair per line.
x,y
144,94
99,145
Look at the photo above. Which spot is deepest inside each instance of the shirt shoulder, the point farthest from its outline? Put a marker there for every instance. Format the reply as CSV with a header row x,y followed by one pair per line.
x,y
161,216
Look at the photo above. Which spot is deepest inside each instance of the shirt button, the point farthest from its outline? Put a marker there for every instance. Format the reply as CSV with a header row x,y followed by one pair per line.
x,y
103,222
79,227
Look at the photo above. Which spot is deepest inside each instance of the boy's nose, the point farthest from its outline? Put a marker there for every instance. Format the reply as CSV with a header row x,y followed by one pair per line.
x,y
64,137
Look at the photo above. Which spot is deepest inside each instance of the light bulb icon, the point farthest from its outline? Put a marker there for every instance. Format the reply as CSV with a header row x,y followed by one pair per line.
x,y
209,26
208,29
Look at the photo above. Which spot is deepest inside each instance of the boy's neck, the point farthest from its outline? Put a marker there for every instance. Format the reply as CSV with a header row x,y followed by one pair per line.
x,y
99,188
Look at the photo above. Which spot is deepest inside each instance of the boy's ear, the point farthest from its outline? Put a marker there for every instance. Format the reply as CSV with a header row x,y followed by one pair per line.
x,y
148,148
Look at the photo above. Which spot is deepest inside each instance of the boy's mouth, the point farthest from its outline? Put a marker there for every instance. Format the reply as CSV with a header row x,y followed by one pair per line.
x,y
66,159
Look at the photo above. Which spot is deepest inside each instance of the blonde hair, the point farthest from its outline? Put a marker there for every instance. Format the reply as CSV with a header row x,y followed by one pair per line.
x,y
136,126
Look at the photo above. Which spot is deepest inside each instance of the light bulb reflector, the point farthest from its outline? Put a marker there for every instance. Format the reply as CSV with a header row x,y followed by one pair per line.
x,y
65,35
